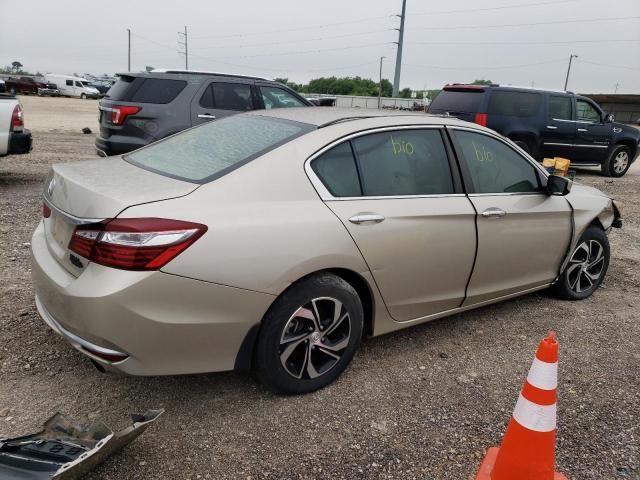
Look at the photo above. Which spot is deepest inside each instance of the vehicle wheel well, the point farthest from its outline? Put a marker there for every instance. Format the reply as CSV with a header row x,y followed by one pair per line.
x,y
627,143
363,290
596,223
244,357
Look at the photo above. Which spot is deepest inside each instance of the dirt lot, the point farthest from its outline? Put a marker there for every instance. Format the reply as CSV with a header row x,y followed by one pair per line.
x,y
422,403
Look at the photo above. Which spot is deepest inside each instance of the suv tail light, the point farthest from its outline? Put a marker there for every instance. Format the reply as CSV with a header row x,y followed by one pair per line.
x,y
119,113
17,122
481,119
134,243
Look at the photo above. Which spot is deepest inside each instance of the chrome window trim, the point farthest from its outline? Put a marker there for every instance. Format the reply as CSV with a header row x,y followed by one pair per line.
x,y
324,193
573,121
70,218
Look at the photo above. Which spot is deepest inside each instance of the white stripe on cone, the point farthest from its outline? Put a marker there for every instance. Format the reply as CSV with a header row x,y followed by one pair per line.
x,y
543,375
539,418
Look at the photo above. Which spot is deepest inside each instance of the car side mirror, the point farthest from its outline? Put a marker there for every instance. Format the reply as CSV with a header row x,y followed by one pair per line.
x,y
609,118
557,185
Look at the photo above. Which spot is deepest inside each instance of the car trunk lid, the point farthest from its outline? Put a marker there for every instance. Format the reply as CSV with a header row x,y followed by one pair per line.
x,y
93,190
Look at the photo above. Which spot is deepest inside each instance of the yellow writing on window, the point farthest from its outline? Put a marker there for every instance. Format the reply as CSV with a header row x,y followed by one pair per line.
x,y
482,154
402,148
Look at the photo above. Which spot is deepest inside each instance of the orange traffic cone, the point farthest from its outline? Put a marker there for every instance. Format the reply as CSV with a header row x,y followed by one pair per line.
x,y
528,447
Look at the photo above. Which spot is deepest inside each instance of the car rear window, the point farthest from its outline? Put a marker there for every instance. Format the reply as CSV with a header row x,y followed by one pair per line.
x,y
514,104
209,151
145,90
457,101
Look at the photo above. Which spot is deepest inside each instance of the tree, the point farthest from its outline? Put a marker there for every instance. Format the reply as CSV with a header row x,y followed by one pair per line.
x,y
482,82
16,66
405,93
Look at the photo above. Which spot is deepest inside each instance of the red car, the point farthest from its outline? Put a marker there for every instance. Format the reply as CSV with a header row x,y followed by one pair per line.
x,y
30,86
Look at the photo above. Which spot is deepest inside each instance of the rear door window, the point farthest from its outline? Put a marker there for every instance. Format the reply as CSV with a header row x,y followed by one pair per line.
x,y
559,107
204,153
458,101
157,90
228,96
514,104
69,83
403,162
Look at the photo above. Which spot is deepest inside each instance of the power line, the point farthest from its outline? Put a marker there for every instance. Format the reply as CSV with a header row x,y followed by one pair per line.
x,y
627,67
558,22
313,39
486,9
298,29
439,67
561,42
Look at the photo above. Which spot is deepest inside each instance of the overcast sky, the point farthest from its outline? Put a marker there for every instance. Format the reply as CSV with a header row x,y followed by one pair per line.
x,y
507,41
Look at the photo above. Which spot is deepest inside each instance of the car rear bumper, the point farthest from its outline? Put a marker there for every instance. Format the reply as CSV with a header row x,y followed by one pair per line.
x,y
20,142
165,324
118,145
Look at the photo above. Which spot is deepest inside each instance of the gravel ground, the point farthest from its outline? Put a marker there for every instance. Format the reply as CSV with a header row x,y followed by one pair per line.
x,y
422,403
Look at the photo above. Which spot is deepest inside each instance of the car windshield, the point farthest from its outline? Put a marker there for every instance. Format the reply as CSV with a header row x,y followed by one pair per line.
x,y
204,153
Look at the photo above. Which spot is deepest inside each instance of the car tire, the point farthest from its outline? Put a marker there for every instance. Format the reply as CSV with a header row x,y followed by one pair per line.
x,y
83,96
587,266
618,162
295,352
12,91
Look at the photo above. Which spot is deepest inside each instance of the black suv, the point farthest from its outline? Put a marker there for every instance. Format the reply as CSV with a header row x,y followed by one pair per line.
x,y
545,123
141,108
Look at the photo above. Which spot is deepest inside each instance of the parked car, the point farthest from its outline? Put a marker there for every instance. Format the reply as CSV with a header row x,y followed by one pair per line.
x,y
73,86
546,123
30,86
102,87
3,86
275,240
14,138
141,108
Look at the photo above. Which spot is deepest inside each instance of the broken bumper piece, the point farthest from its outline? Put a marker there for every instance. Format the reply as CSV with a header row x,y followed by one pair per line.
x,y
66,450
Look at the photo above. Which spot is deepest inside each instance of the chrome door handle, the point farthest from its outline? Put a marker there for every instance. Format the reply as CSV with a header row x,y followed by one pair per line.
x,y
583,130
493,213
365,218
552,127
207,115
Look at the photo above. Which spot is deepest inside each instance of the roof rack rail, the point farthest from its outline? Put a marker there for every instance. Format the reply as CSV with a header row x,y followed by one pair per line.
x,y
204,72
347,119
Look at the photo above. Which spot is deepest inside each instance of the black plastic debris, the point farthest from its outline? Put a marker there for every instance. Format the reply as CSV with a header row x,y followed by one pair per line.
x,y
86,130
65,450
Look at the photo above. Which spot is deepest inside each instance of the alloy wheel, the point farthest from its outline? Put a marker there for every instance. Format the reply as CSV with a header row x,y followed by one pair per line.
x,y
314,338
585,266
620,162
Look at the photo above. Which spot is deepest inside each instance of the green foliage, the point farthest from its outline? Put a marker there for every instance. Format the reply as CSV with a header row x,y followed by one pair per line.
x,y
405,93
14,69
481,82
341,86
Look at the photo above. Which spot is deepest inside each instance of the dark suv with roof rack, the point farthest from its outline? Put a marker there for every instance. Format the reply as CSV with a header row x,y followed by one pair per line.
x,y
546,123
141,108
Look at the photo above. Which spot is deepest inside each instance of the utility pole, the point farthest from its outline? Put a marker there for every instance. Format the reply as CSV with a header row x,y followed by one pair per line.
x,y
566,82
396,77
129,51
185,44
617,85
380,84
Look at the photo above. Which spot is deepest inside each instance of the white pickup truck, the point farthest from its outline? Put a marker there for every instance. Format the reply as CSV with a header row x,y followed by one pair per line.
x,y
14,138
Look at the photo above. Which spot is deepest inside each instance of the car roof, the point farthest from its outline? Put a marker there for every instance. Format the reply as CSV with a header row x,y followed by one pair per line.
x,y
495,86
324,116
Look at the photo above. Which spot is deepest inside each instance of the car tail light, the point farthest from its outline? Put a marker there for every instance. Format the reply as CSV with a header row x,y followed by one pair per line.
x,y
481,119
17,122
134,243
46,211
119,113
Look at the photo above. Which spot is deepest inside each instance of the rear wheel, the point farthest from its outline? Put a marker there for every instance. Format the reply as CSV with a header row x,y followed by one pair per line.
x,y
618,162
587,266
309,335
83,96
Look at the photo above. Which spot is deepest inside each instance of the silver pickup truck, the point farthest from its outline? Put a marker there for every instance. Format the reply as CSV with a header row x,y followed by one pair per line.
x,y
14,138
